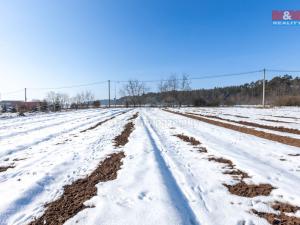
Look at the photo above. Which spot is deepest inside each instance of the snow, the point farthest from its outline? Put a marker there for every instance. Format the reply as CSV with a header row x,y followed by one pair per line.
x,y
163,180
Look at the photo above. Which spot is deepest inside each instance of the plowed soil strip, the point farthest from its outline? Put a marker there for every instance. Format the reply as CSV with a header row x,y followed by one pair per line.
x,y
4,168
245,117
285,207
280,129
275,121
134,116
281,219
273,137
74,195
188,139
100,123
122,139
249,190
192,141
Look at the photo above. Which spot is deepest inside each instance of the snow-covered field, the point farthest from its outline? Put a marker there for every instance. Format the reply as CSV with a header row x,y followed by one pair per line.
x,y
164,179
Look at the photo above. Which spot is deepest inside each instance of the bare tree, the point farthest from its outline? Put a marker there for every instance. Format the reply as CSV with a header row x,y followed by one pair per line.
x,y
57,101
83,99
184,93
174,90
133,92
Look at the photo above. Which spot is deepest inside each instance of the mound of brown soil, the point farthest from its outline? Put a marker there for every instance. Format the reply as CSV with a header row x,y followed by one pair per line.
x,y
280,219
4,168
249,190
122,139
97,125
134,116
188,139
222,160
270,136
74,195
285,207
238,173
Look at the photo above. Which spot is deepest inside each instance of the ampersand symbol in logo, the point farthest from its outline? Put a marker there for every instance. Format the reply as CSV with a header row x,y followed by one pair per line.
x,y
286,15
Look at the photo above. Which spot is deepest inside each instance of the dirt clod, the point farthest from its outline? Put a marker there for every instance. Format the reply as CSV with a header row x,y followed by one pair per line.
x,y
222,160
249,190
134,116
188,139
237,172
269,136
4,168
98,124
294,154
74,195
122,139
281,219
285,207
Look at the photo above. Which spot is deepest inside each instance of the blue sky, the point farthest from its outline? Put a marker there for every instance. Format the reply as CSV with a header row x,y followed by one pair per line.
x,y
59,43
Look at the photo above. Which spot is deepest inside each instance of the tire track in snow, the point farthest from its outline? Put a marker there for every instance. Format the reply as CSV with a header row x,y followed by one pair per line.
x,y
176,193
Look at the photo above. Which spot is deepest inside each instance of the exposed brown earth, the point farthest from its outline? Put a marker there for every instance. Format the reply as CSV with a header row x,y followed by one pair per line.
x,y
249,190
15,160
74,195
280,128
287,117
245,117
134,116
294,154
281,219
122,139
98,124
192,141
101,122
4,168
237,173
202,149
273,137
188,139
275,121
222,160
285,207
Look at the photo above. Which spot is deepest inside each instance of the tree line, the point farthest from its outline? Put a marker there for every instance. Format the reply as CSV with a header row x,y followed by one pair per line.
x,y
176,91
57,101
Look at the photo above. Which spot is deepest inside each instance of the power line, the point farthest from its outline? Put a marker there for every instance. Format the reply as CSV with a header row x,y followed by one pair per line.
x,y
153,81
71,86
12,92
201,77
283,71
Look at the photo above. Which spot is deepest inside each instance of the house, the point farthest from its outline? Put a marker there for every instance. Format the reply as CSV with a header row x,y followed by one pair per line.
x,y
20,106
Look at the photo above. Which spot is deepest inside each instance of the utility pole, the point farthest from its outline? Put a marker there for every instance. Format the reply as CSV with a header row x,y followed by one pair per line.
x,y
25,94
108,93
264,88
115,95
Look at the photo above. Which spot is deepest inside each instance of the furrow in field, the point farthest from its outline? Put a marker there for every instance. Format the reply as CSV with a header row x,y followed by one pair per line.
x,y
40,179
72,200
57,122
19,143
270,136
261,172
275,128
31,120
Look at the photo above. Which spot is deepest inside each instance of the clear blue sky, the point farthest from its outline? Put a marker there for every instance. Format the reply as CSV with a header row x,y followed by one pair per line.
x,y
59,42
